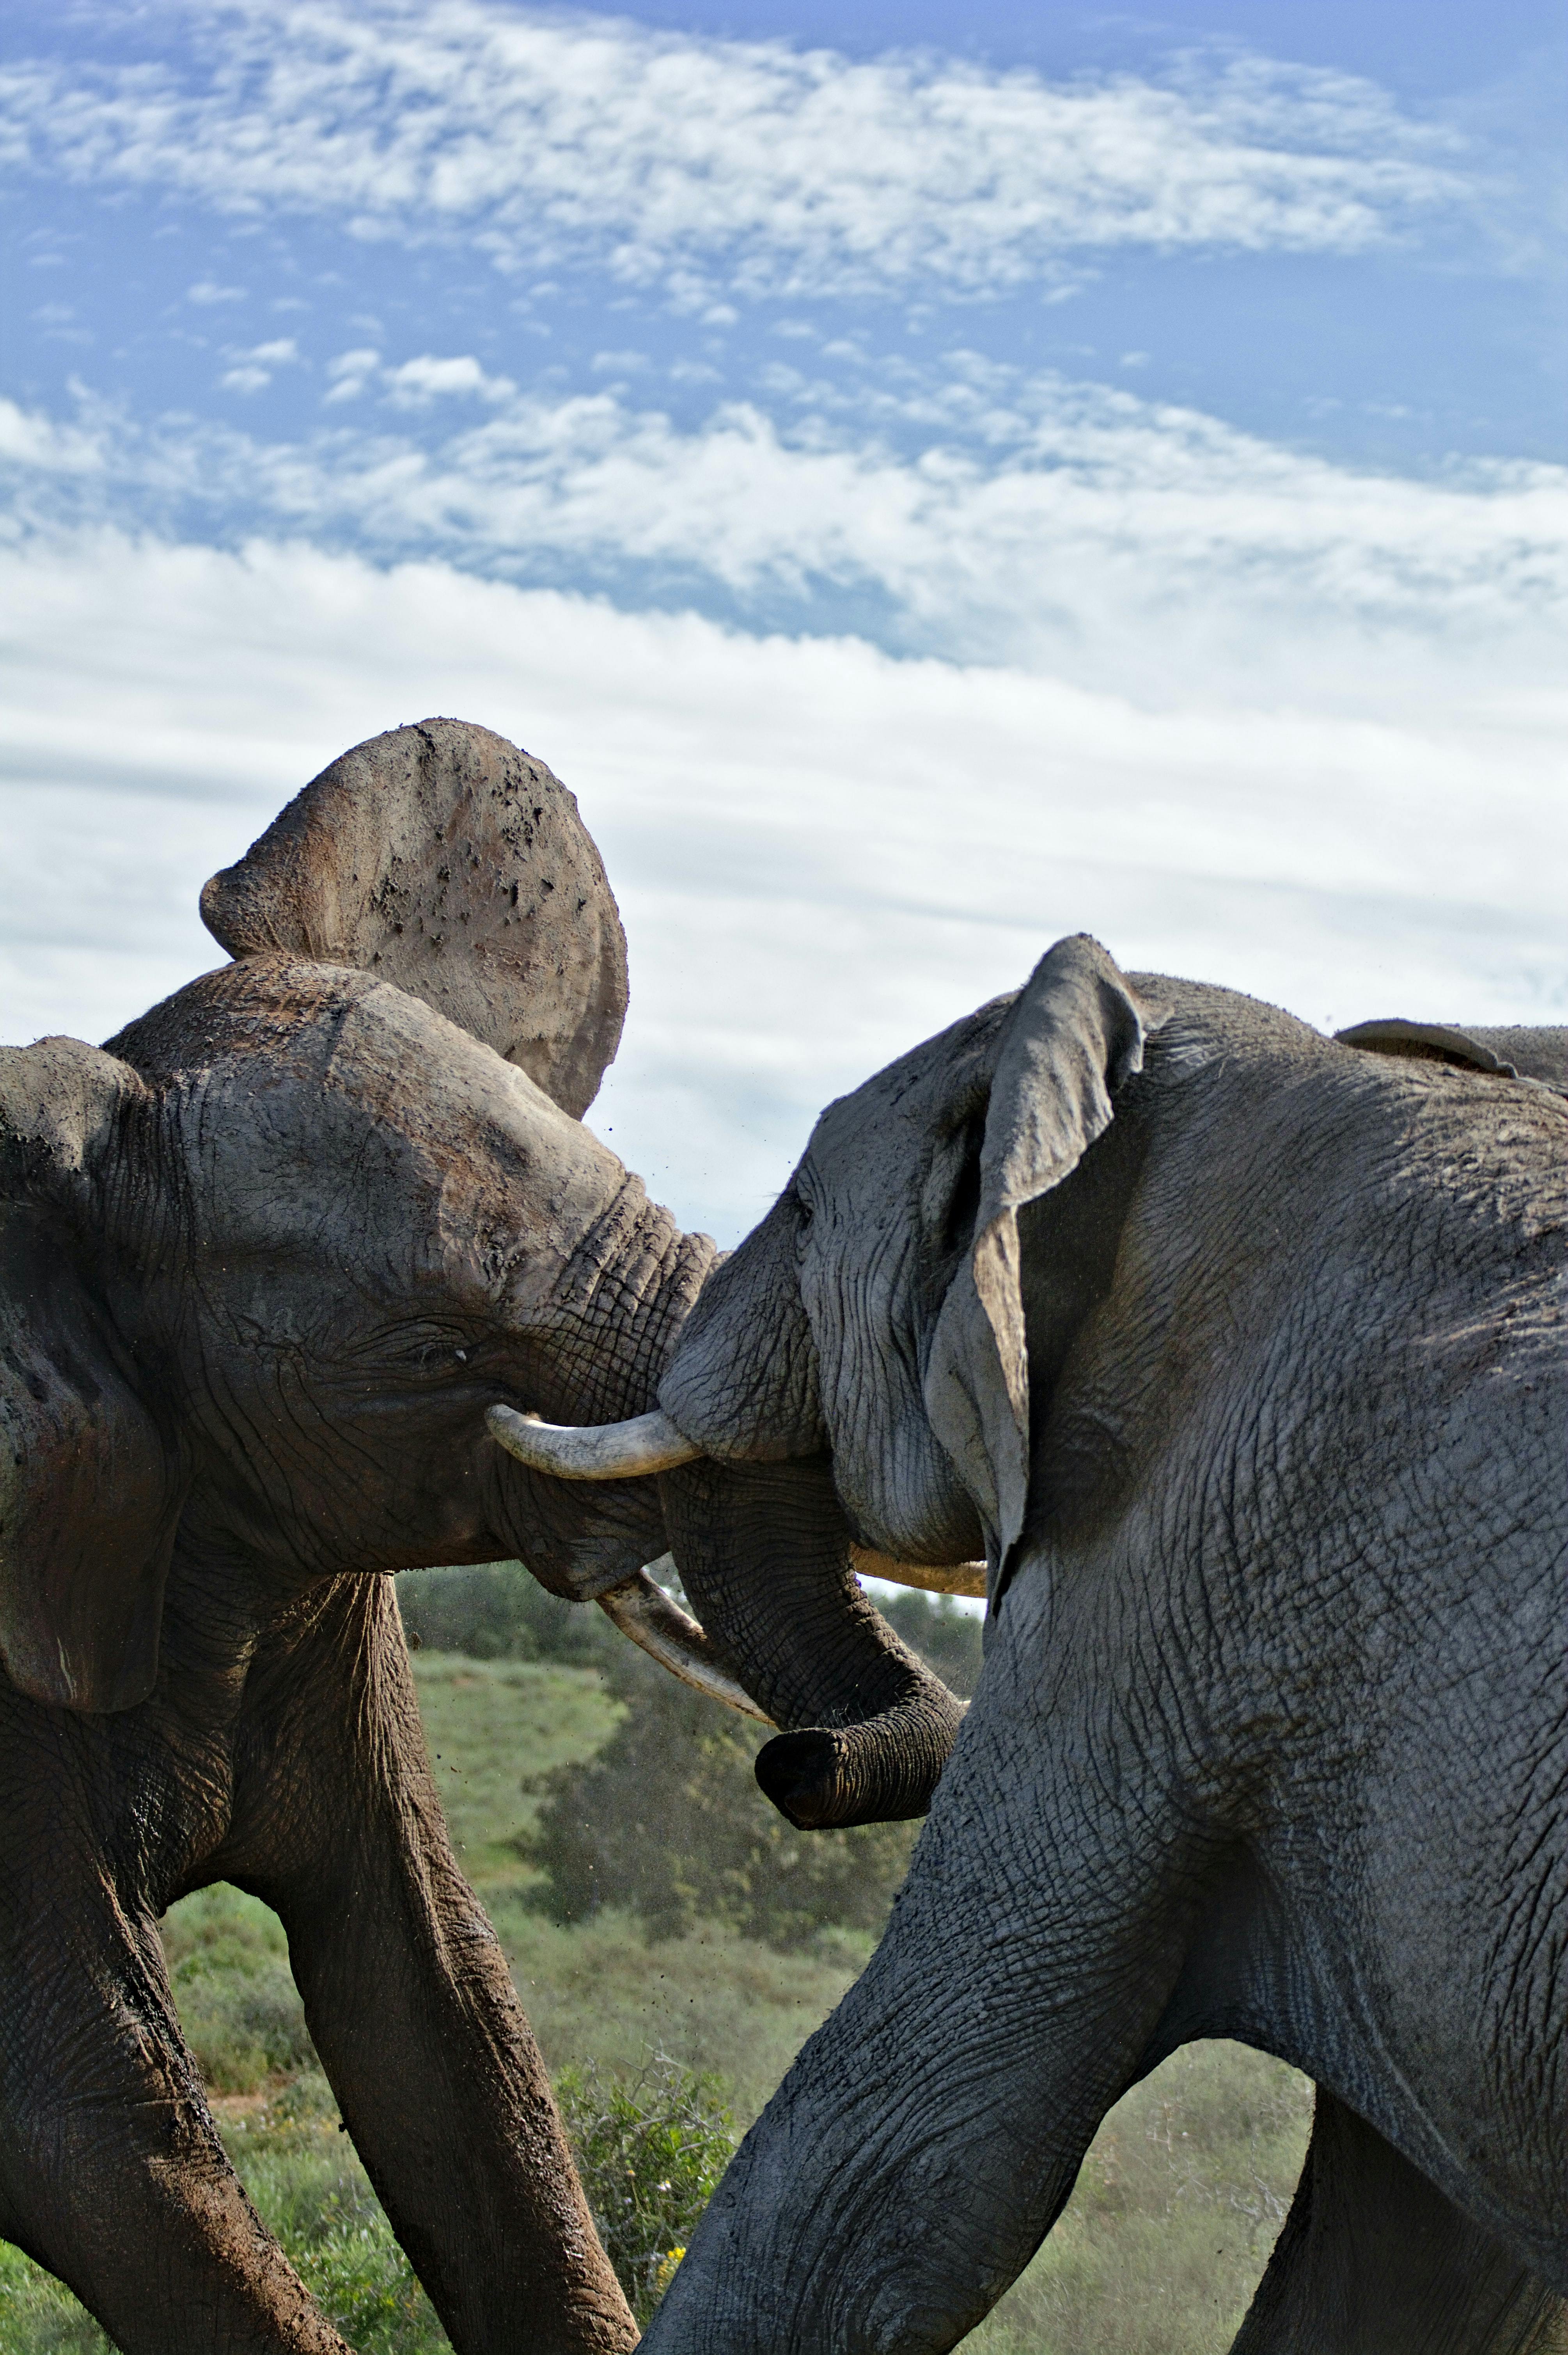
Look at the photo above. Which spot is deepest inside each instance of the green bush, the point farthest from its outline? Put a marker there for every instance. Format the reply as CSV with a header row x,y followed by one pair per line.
x,y
229,1968
496,1610
649,2151
668,1821
311,2190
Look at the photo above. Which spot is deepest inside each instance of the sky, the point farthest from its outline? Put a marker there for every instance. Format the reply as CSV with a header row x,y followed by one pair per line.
x,y
928,483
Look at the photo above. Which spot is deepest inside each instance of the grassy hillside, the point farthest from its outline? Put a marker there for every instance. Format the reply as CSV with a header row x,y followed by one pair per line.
x,y
1175,2209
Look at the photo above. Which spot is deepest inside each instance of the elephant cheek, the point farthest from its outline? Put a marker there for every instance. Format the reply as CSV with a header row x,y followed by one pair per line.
x,y
743,1379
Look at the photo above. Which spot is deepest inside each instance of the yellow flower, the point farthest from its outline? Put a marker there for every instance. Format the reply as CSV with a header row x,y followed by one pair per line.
x,y
666,2273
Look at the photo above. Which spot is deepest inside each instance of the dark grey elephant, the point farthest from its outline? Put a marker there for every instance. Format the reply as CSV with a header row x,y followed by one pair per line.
x,y
265,1259
1238,1351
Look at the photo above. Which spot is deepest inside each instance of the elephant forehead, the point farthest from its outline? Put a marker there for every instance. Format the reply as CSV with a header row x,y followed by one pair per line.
x,y
387,1133
882,1132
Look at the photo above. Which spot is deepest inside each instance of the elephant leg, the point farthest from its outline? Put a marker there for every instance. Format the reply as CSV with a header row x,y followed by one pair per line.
x,y
1374,2260
929,2134
405,1989
111,2173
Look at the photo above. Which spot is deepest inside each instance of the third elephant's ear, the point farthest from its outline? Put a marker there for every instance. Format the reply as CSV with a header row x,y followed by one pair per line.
x,y
443,859
90,1486
1075,1033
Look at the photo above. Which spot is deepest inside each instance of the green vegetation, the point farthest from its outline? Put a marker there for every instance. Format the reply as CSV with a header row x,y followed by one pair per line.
x,y
651,2151
671,1975
667,1820
494,1610
228,1967
1175,2210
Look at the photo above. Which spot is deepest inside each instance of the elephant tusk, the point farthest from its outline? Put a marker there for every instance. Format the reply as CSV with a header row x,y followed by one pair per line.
x,y
940,1578
593,1450
642,1611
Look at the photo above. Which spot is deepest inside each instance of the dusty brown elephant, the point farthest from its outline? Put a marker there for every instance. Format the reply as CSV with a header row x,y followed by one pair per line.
x,y
267,1258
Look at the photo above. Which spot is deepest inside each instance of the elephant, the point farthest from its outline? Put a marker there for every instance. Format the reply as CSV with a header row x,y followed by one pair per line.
x,y
1235,1348
268,1254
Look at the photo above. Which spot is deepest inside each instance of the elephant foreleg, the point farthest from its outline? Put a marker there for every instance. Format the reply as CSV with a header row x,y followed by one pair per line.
x,y
111,2173
1373,2259
405,1989
930,2132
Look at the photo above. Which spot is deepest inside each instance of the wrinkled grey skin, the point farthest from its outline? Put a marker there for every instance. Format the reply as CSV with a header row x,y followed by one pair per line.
x,y
264,1263
1253,1392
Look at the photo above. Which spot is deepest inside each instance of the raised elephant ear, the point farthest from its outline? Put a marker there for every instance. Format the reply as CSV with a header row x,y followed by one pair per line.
x,y
443,859
1075,1034
89,1493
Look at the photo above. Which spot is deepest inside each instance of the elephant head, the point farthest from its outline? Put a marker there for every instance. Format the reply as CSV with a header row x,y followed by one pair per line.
x,y
267,1249
273,1251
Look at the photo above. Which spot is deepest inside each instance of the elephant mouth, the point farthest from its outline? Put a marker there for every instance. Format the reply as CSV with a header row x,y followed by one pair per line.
x,y
640,1609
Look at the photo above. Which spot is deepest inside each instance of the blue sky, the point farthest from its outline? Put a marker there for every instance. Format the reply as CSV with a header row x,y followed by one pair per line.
x,y
926,484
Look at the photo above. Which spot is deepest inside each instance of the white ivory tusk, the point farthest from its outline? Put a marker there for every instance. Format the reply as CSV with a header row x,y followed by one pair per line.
x,y
592,1451
941,1578
642,1611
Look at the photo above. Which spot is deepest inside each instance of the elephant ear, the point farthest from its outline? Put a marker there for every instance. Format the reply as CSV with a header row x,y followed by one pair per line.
x,y
1514,1050
443,859
90,1492
1076,1033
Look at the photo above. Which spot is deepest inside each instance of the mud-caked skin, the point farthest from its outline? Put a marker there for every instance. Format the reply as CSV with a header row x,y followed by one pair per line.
x,y
265,1263
306,1264
1241,1350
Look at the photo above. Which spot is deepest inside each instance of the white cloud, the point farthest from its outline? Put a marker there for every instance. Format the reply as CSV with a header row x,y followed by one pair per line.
x,y
414,384
206,291
252,370
37,443
1126,544
682,158
821,853
348,375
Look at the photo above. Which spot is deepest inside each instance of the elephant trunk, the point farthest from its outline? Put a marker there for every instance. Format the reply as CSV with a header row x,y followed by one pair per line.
x,y
763,1553
763,1548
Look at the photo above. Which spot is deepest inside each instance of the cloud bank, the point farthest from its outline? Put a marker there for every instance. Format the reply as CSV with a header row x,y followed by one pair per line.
x,y
821,853
1028,520
705,165
873,675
